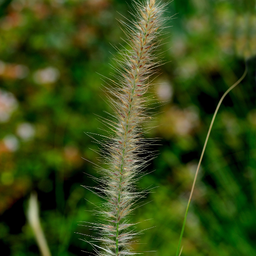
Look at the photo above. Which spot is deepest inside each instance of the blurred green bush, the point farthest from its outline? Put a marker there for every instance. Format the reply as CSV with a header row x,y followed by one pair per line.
x,y
50,54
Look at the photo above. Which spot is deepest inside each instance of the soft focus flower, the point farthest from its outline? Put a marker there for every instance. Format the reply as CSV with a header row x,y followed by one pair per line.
x,y
21,71
8,104
165,90
11,142
185,120
180,122
188,68
13,71
11,20
26,131
46,75
178,47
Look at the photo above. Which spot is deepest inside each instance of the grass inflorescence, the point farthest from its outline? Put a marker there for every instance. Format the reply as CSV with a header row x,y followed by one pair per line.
x,y
125,151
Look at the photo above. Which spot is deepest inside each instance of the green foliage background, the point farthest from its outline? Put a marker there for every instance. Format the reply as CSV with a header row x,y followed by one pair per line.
x,y
50,92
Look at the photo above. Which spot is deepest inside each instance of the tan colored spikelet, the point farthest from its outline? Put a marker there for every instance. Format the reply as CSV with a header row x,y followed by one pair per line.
x,y
152,2
122,161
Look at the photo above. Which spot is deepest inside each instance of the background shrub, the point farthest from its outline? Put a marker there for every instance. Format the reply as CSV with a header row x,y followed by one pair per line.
x,y
50,54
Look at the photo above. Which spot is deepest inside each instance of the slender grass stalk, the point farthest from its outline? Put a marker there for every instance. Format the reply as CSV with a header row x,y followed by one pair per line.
x,y
125,153
34,221
178,252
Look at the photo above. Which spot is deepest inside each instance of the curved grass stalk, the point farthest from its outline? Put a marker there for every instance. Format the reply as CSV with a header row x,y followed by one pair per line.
x,y
178,253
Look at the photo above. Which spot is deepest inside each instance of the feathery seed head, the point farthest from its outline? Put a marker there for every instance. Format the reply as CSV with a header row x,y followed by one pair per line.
x,y
123,154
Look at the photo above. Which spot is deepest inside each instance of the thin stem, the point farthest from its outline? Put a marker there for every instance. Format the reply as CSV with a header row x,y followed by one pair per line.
x,y
202,154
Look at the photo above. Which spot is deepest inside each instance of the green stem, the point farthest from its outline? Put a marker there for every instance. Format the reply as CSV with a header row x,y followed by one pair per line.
x,y
202,154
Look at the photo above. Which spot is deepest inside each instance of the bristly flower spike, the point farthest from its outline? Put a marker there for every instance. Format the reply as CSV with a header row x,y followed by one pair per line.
x,y
123,154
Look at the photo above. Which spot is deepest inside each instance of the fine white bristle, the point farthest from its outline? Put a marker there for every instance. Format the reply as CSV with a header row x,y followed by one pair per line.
x,y
125,152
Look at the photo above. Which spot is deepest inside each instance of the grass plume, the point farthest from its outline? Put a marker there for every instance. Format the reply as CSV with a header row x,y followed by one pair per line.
x,y
124,150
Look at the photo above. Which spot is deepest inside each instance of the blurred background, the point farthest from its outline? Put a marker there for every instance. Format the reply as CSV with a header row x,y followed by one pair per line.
x,y
50,93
